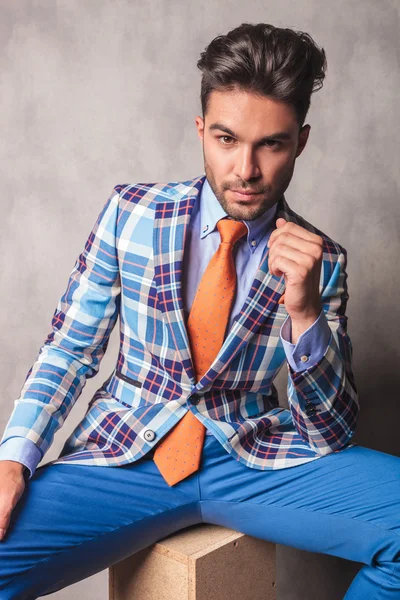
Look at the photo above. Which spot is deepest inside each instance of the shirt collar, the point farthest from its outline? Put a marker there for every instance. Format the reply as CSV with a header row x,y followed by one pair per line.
x,y
211,212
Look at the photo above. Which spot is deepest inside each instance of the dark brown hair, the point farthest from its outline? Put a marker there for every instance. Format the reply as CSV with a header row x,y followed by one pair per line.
x,y
280,63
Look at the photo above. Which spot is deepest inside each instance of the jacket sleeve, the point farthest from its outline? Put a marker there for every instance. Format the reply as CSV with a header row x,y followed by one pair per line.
x,y
323,398
81,326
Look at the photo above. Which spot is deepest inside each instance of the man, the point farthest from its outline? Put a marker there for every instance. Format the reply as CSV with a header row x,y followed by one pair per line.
x,y
217,282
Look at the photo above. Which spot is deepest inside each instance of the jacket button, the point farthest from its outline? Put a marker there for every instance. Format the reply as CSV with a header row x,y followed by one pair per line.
x,y
149,435
194,399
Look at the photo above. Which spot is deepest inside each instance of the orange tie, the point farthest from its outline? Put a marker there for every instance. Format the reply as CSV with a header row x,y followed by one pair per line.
x,y
179,454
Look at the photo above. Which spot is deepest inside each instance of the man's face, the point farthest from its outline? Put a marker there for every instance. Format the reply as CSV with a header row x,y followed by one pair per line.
x,y
236,157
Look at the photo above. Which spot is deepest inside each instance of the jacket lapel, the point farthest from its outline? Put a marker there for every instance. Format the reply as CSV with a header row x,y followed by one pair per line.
x,y
171,222
172,218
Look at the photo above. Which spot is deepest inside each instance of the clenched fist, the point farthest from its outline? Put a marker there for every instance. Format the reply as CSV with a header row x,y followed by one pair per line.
x,y
297,254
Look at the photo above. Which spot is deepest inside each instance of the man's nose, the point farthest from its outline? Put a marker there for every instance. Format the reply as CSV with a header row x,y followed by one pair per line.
x,y
247,166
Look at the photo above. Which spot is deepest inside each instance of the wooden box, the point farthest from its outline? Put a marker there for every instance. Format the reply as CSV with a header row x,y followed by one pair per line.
x,y
202,562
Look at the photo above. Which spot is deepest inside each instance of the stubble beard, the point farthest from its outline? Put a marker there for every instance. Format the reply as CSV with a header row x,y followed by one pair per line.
x,y
248,213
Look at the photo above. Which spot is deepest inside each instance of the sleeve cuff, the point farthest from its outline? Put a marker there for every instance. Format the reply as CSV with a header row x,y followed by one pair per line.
x,y
21,450
311,345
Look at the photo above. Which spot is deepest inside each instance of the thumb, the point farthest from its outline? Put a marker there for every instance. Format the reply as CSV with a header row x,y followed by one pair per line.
x,y
5,516
280,222
4,523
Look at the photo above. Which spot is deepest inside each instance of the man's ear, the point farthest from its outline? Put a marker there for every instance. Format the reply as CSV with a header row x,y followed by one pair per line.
x,y
200,127
303,137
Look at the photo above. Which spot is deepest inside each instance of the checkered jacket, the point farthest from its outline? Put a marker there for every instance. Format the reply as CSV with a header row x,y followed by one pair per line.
x,y
131,268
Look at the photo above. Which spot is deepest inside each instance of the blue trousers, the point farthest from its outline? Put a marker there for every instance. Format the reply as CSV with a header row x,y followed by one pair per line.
x,y
75,520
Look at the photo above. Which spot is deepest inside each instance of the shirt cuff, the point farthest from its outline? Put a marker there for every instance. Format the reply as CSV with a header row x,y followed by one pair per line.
x,y
21,450
311,344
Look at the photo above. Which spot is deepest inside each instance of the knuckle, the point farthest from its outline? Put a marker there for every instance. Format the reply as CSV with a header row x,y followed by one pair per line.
x,y
303,272
311,260
317,251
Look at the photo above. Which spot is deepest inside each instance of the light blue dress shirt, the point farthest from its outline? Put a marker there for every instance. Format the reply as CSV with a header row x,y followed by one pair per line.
x,y
202,241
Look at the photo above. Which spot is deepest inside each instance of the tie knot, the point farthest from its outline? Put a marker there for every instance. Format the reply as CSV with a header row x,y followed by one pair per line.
x,y
231,231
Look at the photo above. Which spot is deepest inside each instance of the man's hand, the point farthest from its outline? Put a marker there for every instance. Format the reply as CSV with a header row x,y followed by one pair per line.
x,y
297,253
12,486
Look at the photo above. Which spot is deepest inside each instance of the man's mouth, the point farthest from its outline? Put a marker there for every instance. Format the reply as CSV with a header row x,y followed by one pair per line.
x,y
245,195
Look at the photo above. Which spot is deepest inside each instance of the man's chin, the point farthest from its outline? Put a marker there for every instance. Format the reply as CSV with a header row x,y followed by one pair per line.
x,y
241,212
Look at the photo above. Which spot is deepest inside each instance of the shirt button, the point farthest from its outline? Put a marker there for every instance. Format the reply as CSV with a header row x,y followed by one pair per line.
x,y
149,435
304,358
253,243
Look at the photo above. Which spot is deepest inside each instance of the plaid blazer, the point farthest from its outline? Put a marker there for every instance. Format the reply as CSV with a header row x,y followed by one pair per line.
x,y
131,267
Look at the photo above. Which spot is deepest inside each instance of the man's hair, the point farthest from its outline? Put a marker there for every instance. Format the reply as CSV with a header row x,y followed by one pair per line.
x,y
282,64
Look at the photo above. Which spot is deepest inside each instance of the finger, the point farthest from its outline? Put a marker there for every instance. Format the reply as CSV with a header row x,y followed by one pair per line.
x,y
8,502
284,266
284,231
300,258
299,231
293,241
4,522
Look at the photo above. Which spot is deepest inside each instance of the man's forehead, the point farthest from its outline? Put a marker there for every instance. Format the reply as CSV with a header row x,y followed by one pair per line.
x,y
267,117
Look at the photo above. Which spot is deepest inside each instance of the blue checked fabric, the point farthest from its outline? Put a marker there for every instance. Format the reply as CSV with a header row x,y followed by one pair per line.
x,y
131,268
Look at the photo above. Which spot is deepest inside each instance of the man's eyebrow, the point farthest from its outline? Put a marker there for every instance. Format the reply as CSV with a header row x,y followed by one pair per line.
x,y
279,135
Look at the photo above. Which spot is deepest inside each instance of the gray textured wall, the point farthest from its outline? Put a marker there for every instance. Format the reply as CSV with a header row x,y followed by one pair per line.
x,y
96,93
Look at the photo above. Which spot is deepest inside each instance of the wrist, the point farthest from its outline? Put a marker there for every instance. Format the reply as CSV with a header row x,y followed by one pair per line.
x,y
307,316
299,326
305,321
14,465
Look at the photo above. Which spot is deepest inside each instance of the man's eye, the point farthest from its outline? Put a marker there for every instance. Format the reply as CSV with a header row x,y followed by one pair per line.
x,y
226,137
268,143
